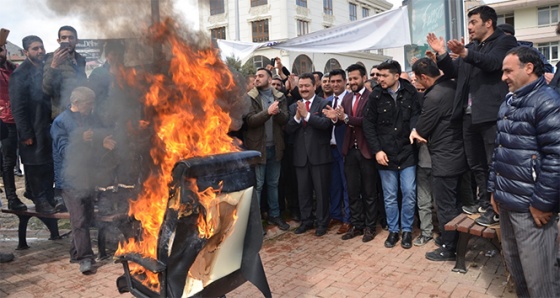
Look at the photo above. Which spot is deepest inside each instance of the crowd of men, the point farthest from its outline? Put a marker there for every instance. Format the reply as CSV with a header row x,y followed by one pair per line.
x,y
47,106
475,129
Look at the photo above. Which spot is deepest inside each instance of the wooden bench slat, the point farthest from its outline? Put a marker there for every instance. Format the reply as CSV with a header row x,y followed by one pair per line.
x,y
489,233
452,225
477,230
32,212
465,225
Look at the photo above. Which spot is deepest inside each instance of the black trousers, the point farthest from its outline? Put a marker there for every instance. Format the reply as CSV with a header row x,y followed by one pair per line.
x,y
479,145
361,179
314,178
80,207
287,185
40,179
445,191
9,158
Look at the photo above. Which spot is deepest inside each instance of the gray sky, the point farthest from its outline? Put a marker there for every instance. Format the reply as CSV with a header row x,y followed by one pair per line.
x,y
33,17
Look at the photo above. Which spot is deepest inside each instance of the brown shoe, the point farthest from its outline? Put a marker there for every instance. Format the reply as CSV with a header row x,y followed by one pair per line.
x,y
334,222
344,228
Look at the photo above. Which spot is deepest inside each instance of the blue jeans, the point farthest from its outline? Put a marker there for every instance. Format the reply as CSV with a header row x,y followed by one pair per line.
x,y
390,182
269,173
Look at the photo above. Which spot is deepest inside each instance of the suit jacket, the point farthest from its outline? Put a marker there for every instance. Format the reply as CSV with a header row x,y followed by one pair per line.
x,y
311,140
338,129
354,128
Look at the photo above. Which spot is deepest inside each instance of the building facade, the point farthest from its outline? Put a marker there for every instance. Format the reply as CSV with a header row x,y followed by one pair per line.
x,y
279,20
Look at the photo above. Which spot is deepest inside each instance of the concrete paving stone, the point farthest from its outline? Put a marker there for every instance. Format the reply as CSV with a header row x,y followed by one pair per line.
x,y
388,289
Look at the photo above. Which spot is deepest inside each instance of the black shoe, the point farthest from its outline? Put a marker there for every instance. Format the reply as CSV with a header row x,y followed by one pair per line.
x,y
5,258
441,254
369,234
406,242
42,206
353,232
320,232
470,209
392,239
302,229
296,217
489,218
16,205
18,172
279,222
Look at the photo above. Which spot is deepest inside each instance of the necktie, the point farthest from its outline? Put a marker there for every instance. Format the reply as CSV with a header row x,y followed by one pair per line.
x,y
355,106
307,103
335,102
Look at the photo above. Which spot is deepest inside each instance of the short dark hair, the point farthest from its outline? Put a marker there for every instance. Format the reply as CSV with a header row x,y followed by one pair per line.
x,y
528,55
425,66
393,66
320,74
486,13
359,67
28,40
338,72
375,66
68,28
267,71
326,75
308,75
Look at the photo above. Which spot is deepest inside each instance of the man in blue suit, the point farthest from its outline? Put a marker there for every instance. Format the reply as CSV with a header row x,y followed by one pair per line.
x,y
339,210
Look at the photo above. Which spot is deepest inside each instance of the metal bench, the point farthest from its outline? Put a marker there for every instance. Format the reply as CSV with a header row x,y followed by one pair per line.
x,y
466,227
51,221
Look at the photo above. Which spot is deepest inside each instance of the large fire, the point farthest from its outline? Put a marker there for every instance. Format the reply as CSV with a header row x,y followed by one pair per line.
x,y
181,101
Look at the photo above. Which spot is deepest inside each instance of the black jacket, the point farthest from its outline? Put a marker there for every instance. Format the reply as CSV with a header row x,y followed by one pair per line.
x,y
445,141
526,161
387,124
32,113
480,74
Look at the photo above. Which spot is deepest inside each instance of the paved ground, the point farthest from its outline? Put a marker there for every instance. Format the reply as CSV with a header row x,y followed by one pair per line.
x,y
296,266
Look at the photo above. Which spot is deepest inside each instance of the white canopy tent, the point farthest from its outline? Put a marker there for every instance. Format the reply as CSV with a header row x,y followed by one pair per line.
x,y
389,29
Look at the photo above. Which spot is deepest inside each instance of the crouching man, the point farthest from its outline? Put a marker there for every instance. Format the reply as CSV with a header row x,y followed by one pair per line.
x,y
77,140
524,179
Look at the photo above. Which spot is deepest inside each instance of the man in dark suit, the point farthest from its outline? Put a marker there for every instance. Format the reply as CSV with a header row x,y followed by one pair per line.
x,y
312,155
339,210
359,168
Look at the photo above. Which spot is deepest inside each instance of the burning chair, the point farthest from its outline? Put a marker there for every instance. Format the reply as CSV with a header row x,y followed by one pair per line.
x,y
209,241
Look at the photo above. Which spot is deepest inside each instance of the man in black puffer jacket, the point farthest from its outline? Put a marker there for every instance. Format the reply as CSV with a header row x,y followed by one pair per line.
x,y
524,180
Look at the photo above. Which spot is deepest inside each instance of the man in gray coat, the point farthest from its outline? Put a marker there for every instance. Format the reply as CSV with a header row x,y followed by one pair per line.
x,y
268,113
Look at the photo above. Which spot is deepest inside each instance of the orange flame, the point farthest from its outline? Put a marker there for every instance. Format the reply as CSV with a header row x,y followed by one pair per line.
x,y
187,121
208,224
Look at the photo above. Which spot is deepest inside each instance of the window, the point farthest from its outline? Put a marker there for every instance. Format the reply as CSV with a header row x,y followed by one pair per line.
x,y
302,3
258,2
302,27
216,7
548,15
260,31
365,12
353,12
302,64
218,33
506,19
549,50
327,7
